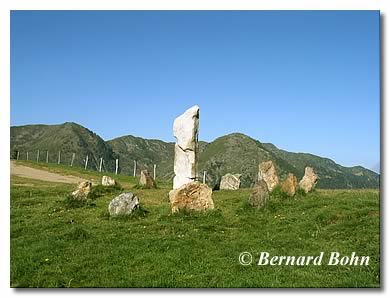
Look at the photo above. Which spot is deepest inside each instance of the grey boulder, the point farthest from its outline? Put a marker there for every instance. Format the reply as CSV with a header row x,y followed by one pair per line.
x,y
124,204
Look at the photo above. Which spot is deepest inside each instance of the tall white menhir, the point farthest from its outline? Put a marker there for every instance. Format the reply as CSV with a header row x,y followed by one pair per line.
x,y
185,130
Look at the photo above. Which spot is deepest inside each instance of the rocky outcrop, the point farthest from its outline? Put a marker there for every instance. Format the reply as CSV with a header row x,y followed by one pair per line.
x,y
230,182
267,172
185,130
193,196
309,180
124,204
147,181
108,181
290,185
259,195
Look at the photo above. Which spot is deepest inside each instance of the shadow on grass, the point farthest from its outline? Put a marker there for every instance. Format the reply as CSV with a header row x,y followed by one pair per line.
x,y
138,213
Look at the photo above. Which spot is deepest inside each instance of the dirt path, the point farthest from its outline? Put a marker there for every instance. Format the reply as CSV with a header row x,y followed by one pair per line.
x,y
32,173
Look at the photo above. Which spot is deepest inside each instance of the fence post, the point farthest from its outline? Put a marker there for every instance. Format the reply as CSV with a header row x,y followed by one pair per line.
x,y
17,155
38,156
135,168
100,165
47,156
204,177
86,163
59,157
27,155
154,171
72,161
116,166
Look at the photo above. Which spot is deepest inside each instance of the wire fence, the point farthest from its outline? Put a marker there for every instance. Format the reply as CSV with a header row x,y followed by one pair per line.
x,y
89,162
86,162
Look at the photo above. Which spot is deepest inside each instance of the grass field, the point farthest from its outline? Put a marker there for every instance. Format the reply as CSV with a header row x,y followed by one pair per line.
x,y
56,246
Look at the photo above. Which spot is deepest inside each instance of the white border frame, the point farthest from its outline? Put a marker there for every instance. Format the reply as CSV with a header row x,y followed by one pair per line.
x,y
6,6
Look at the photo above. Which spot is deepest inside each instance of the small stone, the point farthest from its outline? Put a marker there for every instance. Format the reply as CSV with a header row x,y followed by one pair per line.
x,y
309,180
194,196
147,181
290,185
82,190
259,195
267,172
230,182
124,204
108,181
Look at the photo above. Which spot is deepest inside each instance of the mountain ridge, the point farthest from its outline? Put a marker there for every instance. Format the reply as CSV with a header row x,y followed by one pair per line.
x,y
234,153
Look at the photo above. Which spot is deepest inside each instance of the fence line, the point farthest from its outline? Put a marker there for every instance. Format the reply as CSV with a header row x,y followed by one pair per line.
x,y
88,163
98,164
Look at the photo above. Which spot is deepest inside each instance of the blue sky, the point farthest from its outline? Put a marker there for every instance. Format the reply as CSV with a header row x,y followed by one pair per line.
x,y
307,81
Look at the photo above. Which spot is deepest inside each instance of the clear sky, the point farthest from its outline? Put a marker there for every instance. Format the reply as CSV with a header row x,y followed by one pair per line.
x,y
306,81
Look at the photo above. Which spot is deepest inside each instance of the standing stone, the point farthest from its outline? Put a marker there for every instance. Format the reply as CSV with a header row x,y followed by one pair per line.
x,y
194,196
185,130
146,181
82,190
108,181
124,204
309,180
230,182
259,195
267,172
290,185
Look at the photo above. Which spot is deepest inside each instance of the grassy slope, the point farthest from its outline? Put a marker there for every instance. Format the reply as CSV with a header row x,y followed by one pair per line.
x,y
55,247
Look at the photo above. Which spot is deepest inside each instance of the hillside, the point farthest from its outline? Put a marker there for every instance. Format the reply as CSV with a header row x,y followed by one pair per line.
x,y
68,138
332,175
233,153
146,153
238,153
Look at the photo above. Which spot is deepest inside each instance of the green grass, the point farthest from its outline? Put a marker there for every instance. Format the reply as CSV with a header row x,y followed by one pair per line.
x,y
55,246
